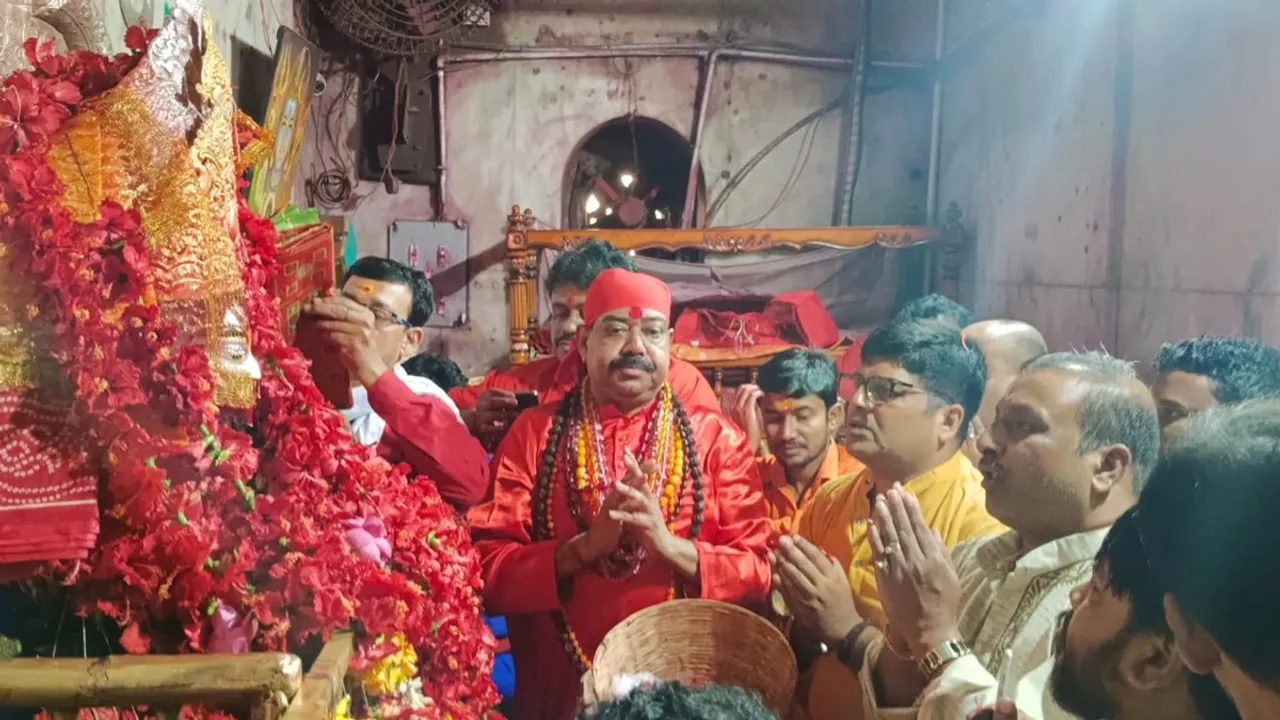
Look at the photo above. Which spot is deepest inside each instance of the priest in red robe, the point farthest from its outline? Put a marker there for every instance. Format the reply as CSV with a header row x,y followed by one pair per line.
x,y
617,497
489,406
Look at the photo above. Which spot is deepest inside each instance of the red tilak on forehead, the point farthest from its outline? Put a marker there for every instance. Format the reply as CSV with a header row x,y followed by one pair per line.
x,y
636,313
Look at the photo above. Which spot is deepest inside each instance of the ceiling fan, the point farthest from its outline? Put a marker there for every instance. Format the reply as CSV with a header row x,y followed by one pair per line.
x,y
620,204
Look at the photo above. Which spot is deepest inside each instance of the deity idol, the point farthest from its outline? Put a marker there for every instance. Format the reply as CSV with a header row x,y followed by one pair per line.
x,y
137,337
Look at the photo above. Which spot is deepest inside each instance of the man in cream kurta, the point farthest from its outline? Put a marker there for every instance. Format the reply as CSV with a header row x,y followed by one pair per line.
x,y
1011,603
1073,439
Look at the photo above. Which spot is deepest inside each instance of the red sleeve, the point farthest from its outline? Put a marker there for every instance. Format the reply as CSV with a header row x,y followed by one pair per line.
x,y
468,396
430,437
733,562
519,574
691,386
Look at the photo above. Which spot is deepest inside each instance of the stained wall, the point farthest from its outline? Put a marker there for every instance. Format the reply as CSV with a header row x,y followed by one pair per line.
x,y
511,126
1119,165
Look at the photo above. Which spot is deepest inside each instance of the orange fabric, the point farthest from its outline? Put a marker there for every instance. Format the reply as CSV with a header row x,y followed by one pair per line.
x,y
547,377
519,574
617,288
954,504
784,509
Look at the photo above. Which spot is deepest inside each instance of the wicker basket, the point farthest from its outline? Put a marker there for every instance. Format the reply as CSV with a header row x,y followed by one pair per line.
x,y
697,642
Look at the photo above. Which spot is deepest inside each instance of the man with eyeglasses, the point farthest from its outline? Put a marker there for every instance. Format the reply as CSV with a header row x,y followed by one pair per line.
x,y
916,393
1073,440
375,323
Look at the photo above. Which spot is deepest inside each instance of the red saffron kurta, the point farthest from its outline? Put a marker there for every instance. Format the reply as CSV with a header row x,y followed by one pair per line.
x,y
425,433
520,577
544,377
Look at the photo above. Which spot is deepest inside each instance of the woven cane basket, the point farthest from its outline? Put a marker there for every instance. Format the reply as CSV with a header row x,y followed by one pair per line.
x,y
698,642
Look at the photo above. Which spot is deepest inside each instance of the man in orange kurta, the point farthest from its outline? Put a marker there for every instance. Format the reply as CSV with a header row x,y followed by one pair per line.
x,y
794,413
918,389
489,406
566,551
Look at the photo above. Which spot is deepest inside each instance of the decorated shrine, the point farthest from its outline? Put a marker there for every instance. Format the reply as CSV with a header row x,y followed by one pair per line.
x,y
172,482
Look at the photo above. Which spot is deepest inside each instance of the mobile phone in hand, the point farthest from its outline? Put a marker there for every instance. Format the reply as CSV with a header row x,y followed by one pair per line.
x,y
526,400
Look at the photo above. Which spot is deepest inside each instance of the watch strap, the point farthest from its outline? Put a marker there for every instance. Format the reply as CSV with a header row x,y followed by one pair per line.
x,y
933,661
845,652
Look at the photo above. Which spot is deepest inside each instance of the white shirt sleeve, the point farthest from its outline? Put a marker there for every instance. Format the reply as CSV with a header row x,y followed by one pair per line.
x,y
965,686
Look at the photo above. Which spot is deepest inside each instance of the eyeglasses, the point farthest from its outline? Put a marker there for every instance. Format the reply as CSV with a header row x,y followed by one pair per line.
x,y
382,317
878,389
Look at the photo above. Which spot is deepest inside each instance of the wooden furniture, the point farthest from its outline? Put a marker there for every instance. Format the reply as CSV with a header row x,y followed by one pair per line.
x,y
265,683
271,686
524,244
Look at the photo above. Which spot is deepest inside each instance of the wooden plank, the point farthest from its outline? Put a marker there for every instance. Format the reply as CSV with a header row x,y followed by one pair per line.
x,y
737,240
153,680
324,686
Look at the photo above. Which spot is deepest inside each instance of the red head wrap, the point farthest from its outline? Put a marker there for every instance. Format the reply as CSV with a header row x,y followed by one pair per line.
x,y
615,289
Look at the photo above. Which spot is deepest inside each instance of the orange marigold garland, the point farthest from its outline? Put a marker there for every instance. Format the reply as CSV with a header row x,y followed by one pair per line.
x,y
222,538
667,444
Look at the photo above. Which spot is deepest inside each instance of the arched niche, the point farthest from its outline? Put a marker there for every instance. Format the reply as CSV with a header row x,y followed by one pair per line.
x,y
631,172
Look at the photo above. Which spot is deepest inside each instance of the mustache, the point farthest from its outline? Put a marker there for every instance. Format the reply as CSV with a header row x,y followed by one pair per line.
x,y
565,338
632,362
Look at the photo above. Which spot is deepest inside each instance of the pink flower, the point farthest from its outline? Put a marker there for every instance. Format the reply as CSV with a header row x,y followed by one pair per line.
x,y
367,537
232,634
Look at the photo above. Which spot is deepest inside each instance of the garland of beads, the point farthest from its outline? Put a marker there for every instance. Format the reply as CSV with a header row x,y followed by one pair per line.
x,y
560,443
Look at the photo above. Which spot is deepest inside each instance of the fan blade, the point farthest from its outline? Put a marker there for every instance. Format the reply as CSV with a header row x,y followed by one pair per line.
x,y
652,194
607,189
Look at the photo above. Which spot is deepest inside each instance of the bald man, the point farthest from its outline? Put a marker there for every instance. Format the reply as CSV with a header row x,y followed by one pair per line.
x,y
1007,345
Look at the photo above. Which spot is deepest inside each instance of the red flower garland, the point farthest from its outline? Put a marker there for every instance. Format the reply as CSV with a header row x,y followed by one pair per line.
x,y
204,517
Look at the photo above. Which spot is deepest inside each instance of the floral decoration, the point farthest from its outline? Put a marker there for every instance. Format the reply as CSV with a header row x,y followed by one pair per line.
x,y
214,537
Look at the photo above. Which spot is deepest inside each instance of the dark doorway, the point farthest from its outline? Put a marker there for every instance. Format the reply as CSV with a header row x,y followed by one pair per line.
x,y
631,173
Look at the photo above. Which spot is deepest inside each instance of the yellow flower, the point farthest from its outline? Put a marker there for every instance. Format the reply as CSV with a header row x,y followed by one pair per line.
x,y
343,711
387,675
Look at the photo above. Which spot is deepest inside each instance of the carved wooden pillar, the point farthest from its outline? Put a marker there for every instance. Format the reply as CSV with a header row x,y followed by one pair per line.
x,y
522,285
953,243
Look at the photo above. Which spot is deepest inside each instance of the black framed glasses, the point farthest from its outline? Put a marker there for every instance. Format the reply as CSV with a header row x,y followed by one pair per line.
x,y
879,389
382,316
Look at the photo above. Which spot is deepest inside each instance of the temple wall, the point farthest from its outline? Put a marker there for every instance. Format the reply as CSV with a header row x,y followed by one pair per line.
x,y
511,126
1120,165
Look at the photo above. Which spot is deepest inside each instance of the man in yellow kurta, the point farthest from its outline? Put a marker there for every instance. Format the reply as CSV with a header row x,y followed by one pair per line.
x,y
795,411
917,391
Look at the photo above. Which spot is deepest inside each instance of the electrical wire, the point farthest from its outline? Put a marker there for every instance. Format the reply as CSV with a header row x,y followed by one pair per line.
x,y
797,168
764,152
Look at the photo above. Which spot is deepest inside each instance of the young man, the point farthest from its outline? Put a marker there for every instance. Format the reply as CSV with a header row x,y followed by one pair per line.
x,y
567,551
1007,345
1195,375
918,389
375,323
1073,440
489,406
1114,656
1208,518
795,413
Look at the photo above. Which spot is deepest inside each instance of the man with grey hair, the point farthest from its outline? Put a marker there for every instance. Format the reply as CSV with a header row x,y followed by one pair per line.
x,y
1072,441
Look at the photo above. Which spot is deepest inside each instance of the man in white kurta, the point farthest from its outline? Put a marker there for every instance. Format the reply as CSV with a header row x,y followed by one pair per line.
x,y
1072,441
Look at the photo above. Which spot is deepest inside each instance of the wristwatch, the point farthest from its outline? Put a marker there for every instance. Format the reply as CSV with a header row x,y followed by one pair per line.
x,y
933,661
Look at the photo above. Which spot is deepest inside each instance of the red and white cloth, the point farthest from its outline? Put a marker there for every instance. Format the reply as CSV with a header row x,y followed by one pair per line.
x,y
48,489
